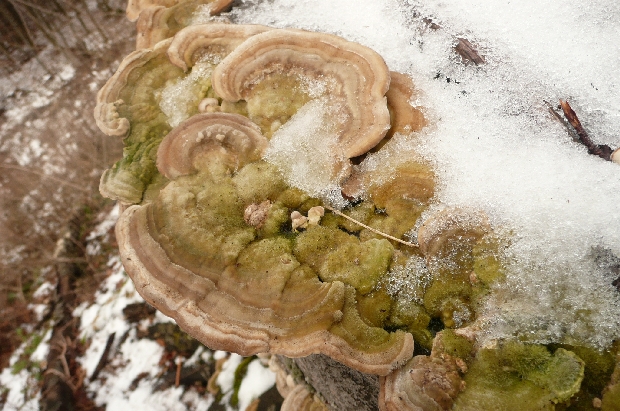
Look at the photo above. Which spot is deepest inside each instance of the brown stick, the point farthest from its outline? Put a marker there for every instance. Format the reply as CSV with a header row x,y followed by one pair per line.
x,y
177,379
603,151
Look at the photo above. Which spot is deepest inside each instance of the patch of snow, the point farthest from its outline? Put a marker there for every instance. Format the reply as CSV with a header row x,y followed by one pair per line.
x,y
67,73
39,355
306,151
22,390
226,378
40,101
45,290
38,310
258,380
163,318
22,387
105,315
99,233
181,98
196,356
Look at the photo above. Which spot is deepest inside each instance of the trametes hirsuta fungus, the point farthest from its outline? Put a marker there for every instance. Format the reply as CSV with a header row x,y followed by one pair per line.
x,y
192,254
157,23
352,77
247,259
136,7
150,93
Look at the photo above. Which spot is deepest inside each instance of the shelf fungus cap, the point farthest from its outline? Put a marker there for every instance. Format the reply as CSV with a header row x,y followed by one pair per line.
x,y
405,118
448,225
106,112
359,75
218,40
300,399
425,383
157,23
206,135
135,7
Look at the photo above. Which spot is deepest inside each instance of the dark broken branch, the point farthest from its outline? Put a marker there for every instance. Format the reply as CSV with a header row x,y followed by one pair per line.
x,y
601,150
103,360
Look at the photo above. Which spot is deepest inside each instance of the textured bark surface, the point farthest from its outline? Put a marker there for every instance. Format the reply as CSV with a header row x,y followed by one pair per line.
x,y
340,387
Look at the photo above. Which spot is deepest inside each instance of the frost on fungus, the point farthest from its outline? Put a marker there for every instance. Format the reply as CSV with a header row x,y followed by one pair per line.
x,y
276,204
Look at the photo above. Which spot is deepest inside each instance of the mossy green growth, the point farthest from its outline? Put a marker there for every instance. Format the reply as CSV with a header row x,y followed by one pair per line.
x,y
201,217
413,318
487,260
268,264
524,377
274,100
357,333
277,216
598,369
338,256
374,307
450,300
456,345
260,181
599,366
611,398
129,177
240,373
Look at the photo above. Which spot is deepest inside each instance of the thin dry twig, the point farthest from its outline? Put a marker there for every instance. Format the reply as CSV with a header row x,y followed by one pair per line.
x,y
374,230
552,110
177,379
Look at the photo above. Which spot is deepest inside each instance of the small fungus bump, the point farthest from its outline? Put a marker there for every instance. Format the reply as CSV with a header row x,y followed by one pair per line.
x,y
256,214
208,105
298,220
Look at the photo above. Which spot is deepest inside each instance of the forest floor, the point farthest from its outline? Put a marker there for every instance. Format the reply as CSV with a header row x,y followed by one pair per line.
x,y
120,352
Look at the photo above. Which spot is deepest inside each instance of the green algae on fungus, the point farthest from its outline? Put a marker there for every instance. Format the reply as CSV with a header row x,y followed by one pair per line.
x,y
460,376
338,256
238,287
517,376
149,93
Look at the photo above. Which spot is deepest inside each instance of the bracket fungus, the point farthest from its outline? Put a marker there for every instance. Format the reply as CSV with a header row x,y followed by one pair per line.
x,y
157,23
136,7
216,235
460,375
149,93
192,255
360,76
